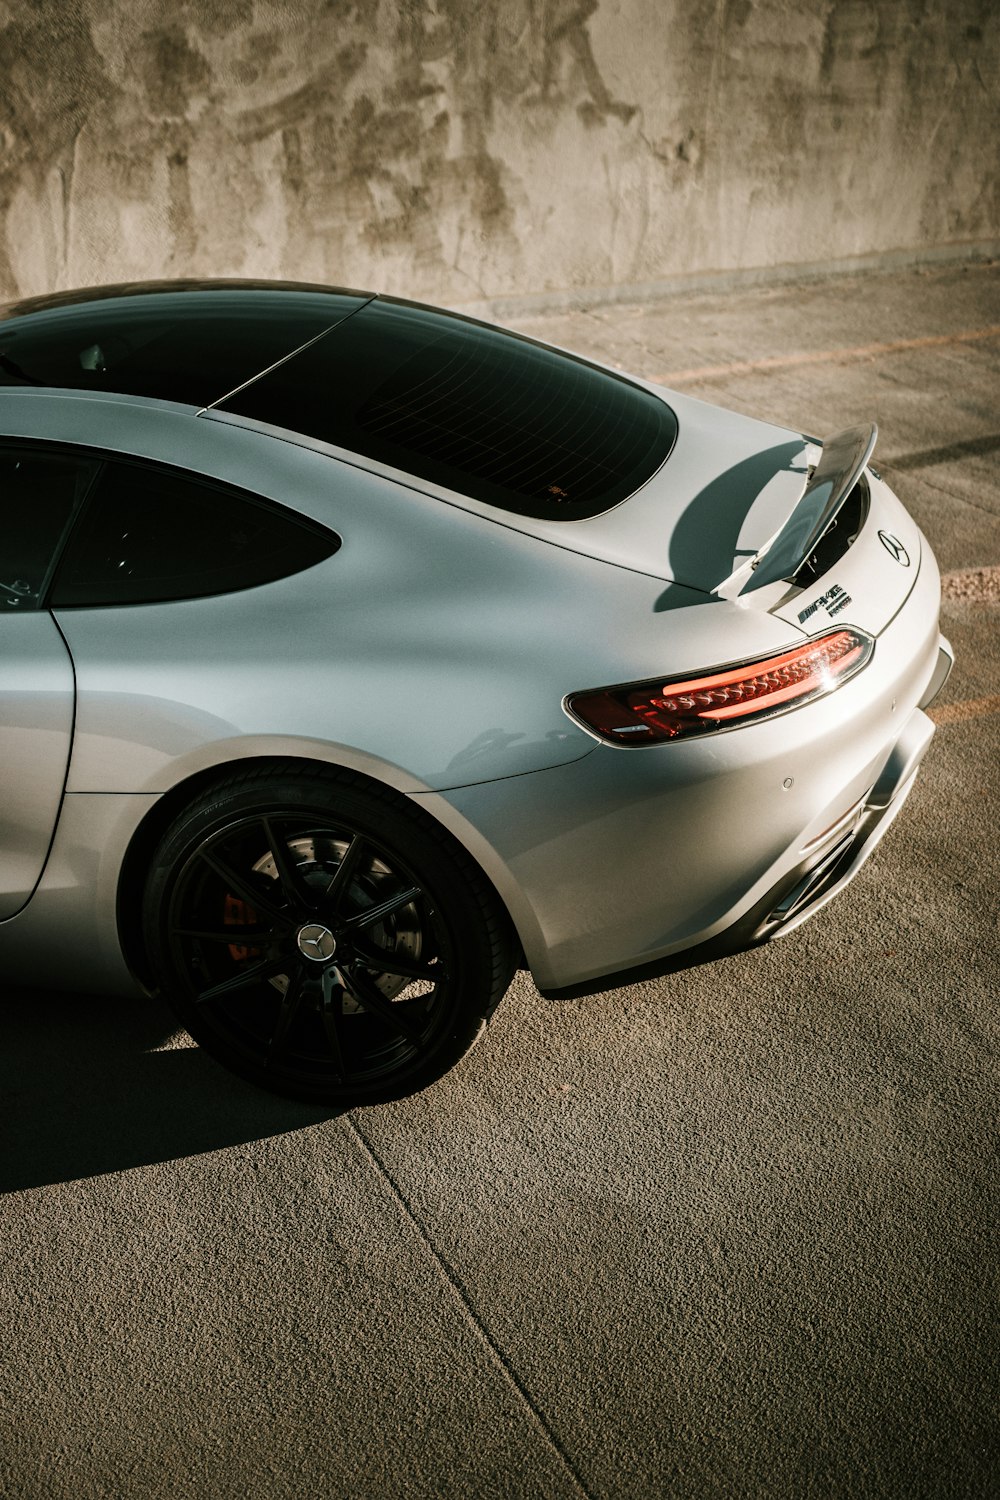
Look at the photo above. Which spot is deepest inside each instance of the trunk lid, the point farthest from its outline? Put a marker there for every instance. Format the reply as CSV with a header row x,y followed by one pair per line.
x,y
735,491
729,484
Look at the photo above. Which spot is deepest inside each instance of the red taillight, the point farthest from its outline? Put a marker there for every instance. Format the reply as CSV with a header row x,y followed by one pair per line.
x,y
640,712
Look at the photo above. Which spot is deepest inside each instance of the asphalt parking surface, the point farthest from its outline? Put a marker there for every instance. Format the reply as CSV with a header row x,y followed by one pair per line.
x,y
727,1234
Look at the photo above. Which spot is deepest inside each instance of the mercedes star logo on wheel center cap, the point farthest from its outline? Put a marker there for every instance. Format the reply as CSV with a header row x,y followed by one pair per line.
x,y
317,943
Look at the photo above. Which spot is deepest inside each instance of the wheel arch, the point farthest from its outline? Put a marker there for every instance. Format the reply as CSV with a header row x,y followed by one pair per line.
x,y
167,808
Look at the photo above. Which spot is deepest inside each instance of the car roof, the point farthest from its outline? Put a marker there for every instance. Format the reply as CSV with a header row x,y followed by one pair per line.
x,y
192,342
465,405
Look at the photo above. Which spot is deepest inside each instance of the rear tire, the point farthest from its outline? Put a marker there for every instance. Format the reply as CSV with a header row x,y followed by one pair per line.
x,y
321,938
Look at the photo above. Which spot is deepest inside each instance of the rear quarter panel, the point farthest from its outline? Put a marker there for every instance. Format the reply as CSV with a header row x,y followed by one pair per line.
x,y
433,650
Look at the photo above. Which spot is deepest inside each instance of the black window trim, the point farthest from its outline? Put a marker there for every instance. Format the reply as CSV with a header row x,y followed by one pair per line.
x,y
104,456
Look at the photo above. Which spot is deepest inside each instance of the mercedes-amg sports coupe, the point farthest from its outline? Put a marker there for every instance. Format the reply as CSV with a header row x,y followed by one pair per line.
x,y
355,653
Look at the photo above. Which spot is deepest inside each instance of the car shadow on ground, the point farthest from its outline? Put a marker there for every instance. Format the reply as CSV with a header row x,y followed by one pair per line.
x,y
90,1085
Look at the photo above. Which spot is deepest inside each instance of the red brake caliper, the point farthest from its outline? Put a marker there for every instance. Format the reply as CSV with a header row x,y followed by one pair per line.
x,y
237,913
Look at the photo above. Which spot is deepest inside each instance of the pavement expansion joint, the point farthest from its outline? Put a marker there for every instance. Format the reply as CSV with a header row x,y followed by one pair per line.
x,y
948,491
468,1311
926,458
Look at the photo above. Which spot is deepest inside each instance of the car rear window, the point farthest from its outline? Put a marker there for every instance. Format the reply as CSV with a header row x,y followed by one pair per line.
x,y
469,407
192,345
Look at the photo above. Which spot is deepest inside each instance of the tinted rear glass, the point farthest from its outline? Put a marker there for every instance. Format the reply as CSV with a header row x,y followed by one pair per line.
x,y
471,408
193,346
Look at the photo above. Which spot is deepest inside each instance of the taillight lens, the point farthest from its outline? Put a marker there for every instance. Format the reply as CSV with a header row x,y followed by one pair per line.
x,y
639,713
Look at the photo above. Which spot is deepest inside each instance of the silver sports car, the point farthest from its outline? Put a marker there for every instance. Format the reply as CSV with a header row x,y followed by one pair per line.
x,y
355,653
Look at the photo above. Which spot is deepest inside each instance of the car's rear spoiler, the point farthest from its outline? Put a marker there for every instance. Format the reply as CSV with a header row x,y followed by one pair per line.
x,y
828,486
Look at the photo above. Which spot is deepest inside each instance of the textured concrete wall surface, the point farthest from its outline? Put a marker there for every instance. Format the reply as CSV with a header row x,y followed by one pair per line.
x,y
466,149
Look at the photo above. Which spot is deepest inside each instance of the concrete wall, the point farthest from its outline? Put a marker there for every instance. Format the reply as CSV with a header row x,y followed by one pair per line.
x,y
459,150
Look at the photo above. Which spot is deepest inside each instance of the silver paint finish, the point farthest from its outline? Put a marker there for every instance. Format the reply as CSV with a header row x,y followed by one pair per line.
x,y
36,729
77,900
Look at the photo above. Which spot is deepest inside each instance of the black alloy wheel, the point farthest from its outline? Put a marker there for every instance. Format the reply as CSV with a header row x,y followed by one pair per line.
x,y
319,938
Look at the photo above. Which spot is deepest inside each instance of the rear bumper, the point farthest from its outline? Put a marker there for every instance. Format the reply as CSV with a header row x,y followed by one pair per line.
x,y
819,883
945,662
800,893
869,822
633,862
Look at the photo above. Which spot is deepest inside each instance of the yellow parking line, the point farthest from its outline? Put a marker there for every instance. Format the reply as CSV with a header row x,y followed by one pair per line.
x,y
972,708
827,356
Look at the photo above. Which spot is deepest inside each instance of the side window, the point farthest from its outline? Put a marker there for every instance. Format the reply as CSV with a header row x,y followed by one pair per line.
x,y
39,493
149,535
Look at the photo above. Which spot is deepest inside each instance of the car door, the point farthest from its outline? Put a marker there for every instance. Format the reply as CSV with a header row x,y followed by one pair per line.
x,y
39,492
